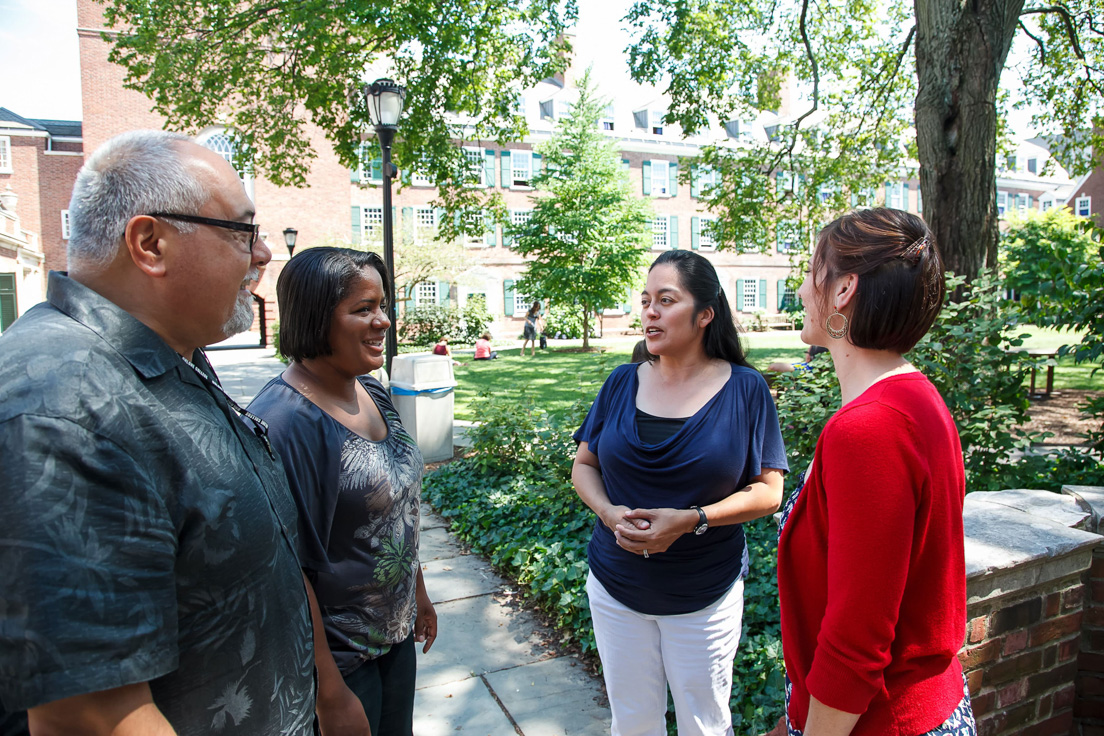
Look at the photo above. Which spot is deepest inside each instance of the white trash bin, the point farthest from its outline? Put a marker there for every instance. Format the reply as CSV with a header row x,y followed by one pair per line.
x,y
422,390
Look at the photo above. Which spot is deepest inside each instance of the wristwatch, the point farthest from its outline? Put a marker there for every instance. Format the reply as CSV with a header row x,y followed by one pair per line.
x,y
703,522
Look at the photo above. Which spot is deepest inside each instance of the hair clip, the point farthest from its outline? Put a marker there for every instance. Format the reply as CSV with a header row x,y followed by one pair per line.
x,y
913,251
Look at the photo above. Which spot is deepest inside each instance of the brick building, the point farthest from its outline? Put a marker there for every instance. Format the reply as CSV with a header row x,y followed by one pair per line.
x,y
39,160
339,206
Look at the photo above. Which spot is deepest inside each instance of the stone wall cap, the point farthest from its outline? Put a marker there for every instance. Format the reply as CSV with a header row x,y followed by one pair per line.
x,y
1001,538
1066,509
1091,498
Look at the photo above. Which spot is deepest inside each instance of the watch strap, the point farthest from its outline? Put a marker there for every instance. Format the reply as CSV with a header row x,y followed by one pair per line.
x,y
703,521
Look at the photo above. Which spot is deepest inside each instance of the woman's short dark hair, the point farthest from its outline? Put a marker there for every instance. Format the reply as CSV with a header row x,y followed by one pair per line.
x,y
699,278
308,291
901,286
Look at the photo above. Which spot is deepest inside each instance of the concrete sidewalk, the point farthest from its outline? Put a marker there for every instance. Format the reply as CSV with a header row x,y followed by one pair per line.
x,y
491,671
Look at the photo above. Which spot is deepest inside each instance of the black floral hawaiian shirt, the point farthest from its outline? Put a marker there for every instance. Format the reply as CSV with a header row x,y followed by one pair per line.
x,y
146,533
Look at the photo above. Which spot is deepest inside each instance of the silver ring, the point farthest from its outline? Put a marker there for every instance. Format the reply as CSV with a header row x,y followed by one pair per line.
x,y
645,554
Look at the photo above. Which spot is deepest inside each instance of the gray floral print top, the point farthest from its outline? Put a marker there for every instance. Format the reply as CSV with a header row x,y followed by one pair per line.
x,y
147,534
359,509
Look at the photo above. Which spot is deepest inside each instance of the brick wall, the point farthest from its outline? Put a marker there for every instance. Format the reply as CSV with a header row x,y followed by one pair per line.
x,y
1089,708
1021,659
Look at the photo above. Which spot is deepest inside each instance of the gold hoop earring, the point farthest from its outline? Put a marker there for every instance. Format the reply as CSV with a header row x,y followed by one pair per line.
x,y
836,332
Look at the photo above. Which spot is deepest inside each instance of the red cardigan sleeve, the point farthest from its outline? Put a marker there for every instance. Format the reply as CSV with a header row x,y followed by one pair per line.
x,y
871,480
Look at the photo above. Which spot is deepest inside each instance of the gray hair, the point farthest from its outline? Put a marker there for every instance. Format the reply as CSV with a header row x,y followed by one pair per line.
x,y
136,173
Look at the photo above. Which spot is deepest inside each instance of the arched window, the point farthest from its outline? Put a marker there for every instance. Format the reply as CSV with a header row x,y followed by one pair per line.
x,y
221,141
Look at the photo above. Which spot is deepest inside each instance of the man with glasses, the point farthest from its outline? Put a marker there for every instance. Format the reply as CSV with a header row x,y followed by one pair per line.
x,y
148,573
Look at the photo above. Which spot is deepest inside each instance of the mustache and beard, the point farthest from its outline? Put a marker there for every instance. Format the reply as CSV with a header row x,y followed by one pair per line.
x,y
242,317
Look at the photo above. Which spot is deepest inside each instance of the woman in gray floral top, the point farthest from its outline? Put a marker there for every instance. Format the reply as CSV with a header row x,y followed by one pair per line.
x,y
356,477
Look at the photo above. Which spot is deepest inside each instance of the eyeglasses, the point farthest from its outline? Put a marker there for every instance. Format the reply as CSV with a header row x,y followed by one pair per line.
x,y
253,229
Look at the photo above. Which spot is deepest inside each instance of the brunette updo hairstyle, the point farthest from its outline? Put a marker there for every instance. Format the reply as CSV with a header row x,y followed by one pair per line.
x,y
900,289
698,277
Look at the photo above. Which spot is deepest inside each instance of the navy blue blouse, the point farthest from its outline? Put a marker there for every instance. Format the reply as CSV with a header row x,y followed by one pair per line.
x,y
719,449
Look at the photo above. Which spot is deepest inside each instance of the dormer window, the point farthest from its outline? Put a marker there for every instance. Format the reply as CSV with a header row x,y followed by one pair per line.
x,y
606,121
547,110
657,122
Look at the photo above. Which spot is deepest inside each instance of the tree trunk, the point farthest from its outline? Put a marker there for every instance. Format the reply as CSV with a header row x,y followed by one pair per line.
x,y
961,48
586,329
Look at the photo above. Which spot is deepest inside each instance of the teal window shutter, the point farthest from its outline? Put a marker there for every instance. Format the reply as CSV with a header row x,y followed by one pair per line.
x,y
695,233
489,167
887,190
762,293
438,216
625,164
507,171
354,173
490,236
507,238
408,224
672,233
405,178
443,293
508,297
646,176
672,171
781,293
376,169
536,166
8,304
356,225
739,295
695,181
905,190
408,301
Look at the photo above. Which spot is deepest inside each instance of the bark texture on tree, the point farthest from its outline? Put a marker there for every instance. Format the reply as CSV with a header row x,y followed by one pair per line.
x,y
961,48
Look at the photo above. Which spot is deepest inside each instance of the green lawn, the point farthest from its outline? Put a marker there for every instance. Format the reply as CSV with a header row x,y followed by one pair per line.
x,y
556,377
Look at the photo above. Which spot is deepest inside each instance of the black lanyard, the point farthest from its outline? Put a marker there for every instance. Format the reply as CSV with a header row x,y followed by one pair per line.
x,y
260,426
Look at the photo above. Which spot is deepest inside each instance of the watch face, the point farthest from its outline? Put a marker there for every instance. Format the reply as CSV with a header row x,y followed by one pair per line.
x,y
701,529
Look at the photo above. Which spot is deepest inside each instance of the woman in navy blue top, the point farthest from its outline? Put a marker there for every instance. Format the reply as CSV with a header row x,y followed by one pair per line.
x,y
674,455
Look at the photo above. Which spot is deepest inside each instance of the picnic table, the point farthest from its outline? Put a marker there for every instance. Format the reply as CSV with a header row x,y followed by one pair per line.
x,y
1047,353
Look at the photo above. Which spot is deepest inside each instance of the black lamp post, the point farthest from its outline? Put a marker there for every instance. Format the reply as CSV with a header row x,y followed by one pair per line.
x,y
290,234
384,99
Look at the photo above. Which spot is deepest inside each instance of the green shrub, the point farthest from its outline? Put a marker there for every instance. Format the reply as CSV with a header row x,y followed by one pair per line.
x,y
427,324
566,320
473,320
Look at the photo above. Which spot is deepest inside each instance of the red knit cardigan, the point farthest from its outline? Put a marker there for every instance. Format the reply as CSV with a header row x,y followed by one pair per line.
x,y
871,568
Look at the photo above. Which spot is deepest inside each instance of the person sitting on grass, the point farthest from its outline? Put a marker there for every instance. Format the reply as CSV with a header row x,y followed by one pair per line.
x,y
483,348
779,366
442,348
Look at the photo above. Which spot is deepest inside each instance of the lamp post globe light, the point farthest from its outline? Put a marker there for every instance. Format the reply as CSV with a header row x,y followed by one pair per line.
x,y
384,100
290,234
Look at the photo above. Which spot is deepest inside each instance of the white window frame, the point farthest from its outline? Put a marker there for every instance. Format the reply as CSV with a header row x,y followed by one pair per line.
x,y
1033,166
1002,203
751,296
476,161
520,217
476,241
1021,200
790,292
661,233
655,118
65,224
5,155
791,227
1046,204
706,241
425,293
897,197
419,179
522,302
661,183
606,121
221,141
521,162
425,226
1083,206
371,222
708,177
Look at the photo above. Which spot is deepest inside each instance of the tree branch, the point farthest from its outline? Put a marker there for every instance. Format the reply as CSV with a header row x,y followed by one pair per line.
x,y
1037,40
1067,21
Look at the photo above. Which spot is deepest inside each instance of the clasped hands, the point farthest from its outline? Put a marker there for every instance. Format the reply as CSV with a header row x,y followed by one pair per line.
x,y
654,530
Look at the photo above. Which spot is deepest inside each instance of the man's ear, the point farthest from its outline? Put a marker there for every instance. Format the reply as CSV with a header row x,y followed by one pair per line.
x,y
845,289
145,245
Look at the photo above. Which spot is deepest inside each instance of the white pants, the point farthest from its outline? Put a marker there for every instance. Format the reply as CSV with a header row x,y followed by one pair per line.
x,y
693,652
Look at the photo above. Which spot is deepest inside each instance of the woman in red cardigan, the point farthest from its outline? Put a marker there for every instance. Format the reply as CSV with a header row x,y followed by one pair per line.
x,y
871,569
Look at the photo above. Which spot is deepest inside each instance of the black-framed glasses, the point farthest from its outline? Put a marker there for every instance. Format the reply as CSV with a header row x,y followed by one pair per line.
x,y
253,229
